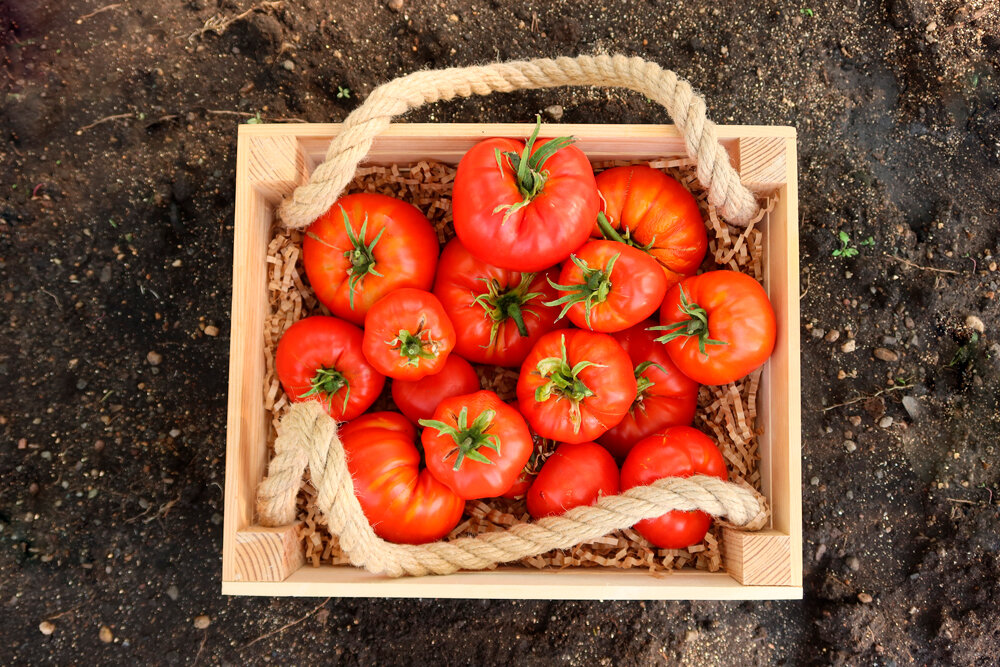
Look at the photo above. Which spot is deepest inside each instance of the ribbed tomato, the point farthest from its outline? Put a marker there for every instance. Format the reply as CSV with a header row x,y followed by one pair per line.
x,y
524,206
664,396
364,247
649,209
320,358
408,335
576,474
680,451
498,314
402,502
417,399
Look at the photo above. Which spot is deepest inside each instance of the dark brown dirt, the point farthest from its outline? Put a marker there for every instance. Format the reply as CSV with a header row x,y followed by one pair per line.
x,y
115,254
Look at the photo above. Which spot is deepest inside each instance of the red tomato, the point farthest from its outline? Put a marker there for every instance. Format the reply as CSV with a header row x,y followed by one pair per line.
x,y
417,399
609,286
408,335
477,445
364,247
575,385
522,206
499,314
403,503
720,326
320,358
665,397
576,474
542,451
658,214
680,451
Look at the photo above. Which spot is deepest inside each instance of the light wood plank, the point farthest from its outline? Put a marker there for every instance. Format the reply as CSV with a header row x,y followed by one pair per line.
x,y
761,162
267,554
517,584
276,165
758,559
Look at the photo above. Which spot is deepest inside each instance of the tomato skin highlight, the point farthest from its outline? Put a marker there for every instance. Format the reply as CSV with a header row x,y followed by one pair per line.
x,y
408,336
506,429
574,415
405,254
543,233
680,451
576,474
655,209
417,399
319,342
666,398
462,279
403,503
739,315
636,286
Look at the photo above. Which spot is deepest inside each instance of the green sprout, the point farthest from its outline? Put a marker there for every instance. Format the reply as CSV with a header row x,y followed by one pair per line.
x,y
805,11
256,120
844,250
868,241
343,93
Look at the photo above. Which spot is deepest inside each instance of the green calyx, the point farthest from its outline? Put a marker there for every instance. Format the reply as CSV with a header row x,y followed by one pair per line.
x,y
593,290
361,255
415,346
469,438
504,305
563,382
696,326
612,234
643,384
527,168
325,383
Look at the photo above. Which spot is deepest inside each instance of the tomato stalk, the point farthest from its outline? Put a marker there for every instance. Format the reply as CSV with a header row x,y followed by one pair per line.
x,y
469,438
696,326
593,290
527,168
414,346
510,304
361,255
563,381
326,382
643,384
612,234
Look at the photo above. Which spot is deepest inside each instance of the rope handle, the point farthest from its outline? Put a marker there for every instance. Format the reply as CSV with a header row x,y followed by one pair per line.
x,y
725,191
308,436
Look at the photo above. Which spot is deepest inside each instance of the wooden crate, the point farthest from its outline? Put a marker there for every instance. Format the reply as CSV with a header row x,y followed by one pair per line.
x,y
273,159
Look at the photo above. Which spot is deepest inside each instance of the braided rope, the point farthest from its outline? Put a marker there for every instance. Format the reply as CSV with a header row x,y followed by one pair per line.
x,y
310,200
308,434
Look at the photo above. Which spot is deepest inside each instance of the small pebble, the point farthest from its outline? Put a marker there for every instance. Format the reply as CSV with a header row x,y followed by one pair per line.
x,y
976,324
154,358
288,65
814,481
885,354
912,407
817,332
832,336
889,341
173,593
864,598
174,432
850,494
885,422
99,446
453,18
216,518
202,622
555,112
850,445
993,266
211,330
396,5
909,323
46,628
854,563
33,488
105,634
849,346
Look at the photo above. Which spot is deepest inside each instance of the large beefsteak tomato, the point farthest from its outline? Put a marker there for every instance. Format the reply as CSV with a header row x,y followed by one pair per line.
x,y
576,474
402,502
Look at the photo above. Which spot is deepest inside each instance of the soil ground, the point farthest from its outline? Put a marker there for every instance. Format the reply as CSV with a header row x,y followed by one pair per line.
x,y
117,138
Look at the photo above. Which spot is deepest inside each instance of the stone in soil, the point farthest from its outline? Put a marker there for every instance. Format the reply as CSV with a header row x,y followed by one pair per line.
x,y
885,354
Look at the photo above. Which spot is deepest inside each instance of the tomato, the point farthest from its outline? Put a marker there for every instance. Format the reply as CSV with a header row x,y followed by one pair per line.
x,y
576,474
542,451
499,314
664,397
720,326
417,399
320,358
476,444
609,286
408,335
657,213
524,206
403,503
680,451
364,247
575,385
